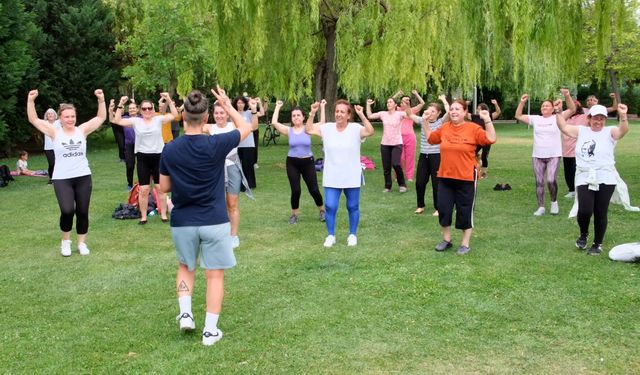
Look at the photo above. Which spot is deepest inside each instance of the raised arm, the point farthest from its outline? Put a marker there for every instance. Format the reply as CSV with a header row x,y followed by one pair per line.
x,y
426,129
497,112
243,126
282,129
261,107
445,103
371,116
571,105
614,102
254,114
111,111
313,128
566,129
172,107
367,130
93,124
418,107
323,114
519,115
397,95
43,126
623,125
117,116
488,125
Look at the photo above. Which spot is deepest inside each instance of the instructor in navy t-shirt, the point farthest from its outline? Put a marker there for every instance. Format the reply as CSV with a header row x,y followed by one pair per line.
x,y
192,169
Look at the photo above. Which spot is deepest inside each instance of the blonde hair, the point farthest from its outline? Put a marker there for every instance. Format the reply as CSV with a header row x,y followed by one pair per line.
x,y
64,106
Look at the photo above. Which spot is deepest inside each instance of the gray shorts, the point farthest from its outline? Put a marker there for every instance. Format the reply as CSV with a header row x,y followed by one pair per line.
x,y
234,179
211,242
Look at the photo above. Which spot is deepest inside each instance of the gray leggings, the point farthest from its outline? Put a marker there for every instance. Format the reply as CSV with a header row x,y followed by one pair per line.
x,y
550,166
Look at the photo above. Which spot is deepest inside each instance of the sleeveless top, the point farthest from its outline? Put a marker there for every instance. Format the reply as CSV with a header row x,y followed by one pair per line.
x,y
71,155
299,144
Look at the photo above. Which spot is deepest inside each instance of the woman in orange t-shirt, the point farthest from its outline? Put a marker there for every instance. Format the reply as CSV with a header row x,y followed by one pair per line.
x,y
457,175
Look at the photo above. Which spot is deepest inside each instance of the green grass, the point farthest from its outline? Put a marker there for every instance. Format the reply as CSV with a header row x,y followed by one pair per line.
x,y
523,301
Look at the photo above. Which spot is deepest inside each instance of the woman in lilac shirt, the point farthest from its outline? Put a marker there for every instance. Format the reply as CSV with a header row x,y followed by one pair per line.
x,y
300,160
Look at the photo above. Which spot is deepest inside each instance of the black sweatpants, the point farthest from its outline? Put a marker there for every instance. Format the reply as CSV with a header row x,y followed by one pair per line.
x,y
247,157
428,165
391,158
459,194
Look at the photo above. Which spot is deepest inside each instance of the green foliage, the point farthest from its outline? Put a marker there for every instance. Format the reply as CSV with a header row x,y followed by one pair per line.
x,y
16,56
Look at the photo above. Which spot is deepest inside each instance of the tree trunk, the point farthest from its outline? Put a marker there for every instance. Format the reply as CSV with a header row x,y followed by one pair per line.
x,y
613,76
326,77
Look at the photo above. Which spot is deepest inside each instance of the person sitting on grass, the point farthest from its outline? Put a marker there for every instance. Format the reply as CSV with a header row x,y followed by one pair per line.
x,y
22,167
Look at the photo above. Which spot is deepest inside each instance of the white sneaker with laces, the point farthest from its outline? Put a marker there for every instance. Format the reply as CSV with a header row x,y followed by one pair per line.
x,y
330,241
210,338
570,194
235,241
539,212
65,248
352,240
554,208
186,322
83,249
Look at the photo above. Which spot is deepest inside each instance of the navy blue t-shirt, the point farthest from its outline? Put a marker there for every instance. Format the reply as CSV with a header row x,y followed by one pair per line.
x,y
195,164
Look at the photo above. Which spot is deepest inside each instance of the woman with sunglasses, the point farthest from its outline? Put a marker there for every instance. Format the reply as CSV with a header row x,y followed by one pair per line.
x,y
148,148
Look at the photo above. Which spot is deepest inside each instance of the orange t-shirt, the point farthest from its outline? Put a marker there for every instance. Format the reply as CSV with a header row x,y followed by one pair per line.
x,y
458,149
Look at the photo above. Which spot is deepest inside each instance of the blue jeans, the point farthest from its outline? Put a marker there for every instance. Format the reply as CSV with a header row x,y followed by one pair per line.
x,y
331,202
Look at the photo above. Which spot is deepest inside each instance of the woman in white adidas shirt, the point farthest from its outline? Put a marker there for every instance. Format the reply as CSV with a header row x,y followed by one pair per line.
x,y
596,175
71,173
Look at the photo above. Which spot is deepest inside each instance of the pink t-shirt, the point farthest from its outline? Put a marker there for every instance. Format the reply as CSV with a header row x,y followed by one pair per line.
x,y
407,124
391,128
568,143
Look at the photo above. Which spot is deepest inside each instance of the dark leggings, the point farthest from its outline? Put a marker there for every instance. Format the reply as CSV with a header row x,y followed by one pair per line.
x,y
594,203
51,161
247,157
129,161
569,165
305,167
73,196
256,140
428,165
485,156
460,195
391,156
118,134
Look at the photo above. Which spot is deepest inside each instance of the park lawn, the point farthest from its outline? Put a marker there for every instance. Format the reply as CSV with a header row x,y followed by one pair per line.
x,y
525,300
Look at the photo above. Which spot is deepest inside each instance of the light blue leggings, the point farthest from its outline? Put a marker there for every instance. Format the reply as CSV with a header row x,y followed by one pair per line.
x,y
331,202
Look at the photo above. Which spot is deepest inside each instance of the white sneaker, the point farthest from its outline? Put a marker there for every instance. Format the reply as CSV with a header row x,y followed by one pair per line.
x,y
83,249
402,189
65,248
570,194
210,338
186,322
352,240
235,241
330,241
554,208
539,211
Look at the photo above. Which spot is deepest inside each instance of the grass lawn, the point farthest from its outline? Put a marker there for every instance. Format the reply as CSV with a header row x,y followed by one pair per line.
x,y
525,300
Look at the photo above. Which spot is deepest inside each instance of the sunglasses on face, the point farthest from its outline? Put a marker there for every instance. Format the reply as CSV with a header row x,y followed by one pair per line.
x,y
146,108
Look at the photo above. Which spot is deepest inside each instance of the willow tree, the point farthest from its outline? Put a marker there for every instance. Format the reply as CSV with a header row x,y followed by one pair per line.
x,y
301,48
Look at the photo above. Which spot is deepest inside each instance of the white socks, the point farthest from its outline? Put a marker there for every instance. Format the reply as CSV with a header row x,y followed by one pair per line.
x,y
211,322
185,305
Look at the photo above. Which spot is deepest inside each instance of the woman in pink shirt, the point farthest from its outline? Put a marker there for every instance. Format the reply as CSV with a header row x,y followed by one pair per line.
x,y
569,149
408,157
391,145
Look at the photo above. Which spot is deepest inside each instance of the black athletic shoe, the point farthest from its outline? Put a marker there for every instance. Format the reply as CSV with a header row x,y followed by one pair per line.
x,y
581,242
595,249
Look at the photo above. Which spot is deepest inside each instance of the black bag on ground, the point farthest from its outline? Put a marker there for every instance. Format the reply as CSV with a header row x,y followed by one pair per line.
x,y
126,211
5,175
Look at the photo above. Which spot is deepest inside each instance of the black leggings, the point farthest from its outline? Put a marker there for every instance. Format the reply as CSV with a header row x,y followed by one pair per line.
x,y
569,165
51,161
129,161
594,203
391,157
306,168
247,157
428,165
484,156
118,134
73,196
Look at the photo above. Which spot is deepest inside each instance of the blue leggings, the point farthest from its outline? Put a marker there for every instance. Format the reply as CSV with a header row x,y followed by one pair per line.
x,y
331,202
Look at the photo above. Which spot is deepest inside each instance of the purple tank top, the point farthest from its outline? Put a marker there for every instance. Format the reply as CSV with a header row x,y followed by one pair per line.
x,y
299,145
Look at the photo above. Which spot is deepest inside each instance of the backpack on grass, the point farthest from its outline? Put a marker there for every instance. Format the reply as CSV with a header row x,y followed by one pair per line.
x,y
153,198
5,175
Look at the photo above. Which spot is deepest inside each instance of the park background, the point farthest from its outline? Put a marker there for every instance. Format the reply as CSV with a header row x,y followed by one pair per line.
x,y
524,301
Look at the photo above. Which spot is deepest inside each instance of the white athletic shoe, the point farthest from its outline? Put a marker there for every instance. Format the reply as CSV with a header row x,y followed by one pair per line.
x,y
210,338
554,208
570,194
235,241
352,240
539,211
83,249
65,248
186,322
330,241
402,189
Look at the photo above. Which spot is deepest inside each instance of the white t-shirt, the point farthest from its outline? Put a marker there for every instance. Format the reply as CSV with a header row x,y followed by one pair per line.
x,y
148,136
215,129
21,165
546,137
48,143
71,155
594,152
341,156
247,142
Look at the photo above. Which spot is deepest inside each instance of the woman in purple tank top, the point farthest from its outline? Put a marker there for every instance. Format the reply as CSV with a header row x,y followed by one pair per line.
x,y
300,160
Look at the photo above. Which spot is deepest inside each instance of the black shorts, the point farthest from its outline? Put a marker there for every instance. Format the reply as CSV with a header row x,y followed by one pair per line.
x,y
148,167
